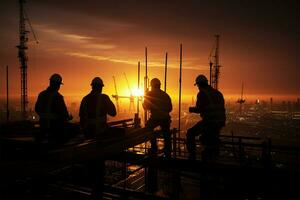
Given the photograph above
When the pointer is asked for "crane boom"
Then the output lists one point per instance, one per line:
(128, 84)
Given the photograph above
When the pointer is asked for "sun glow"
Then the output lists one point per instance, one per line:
(137, 92)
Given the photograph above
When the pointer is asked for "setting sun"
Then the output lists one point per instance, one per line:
(137, 92)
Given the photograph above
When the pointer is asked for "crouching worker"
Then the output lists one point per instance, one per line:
(210, 106)
(159, 104)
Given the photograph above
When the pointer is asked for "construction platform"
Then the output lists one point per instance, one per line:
(245, 168)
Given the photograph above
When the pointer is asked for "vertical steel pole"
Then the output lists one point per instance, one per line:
(7, 95)
(210, 73)
(180, 80)
(146, 82)
(166, 66)
(138, 98)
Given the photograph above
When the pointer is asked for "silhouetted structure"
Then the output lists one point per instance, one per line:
(22, 54)
(210, 105)
(23, 59)
(159, 104)
(215, 66)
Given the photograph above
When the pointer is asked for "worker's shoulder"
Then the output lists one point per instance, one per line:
(157, 92)
(48, 92)
(219, 93)
(166, 94)
(88, 97)
(43, 93)
(105, 96)
(201, 93)
(58, 95)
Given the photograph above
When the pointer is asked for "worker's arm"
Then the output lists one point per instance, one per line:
(111, 109)
(147, 102)
(170, 106)
(83, 112)
(200, 104)
(63, 108)
(38, 106)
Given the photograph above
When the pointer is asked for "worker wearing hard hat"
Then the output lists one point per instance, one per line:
(210, 106)
(52, 110)
(94, 109)
(93, 112)
(159, 104)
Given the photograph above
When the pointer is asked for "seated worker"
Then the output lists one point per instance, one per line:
(53, 113)
(159, 104)
(210, 106)
(94, 109)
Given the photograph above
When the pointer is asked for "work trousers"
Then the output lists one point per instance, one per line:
(165, 128)
(209, 138)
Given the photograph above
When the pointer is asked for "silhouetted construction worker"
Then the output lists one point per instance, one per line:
(53, 113)
(210, 106)
(159, 104)
(93, 113)
(94, 109)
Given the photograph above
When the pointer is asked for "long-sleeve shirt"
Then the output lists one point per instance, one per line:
(50, 105)
(95, 107)
(210, 105)
(158, 103)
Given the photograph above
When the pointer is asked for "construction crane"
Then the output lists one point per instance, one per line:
(131, 97)
(214, 65)
(116, 96)
(22, 55)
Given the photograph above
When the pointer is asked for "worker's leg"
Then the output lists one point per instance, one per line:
(190, 139)
(210, 141)
(151, 124)
(165, 126)
(97, 170)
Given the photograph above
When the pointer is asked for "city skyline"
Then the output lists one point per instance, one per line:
(258, 45)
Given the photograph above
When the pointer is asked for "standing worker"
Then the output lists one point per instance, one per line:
(210, 106)
(94, 109)
(159, 104)
(53, 113)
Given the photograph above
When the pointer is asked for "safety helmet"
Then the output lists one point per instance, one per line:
(56, 78)
(155, 82)
(201, 79)
(97, 81)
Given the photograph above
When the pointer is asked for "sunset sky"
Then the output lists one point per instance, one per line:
(259, 44)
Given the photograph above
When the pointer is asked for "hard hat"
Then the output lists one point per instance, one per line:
(201, 79)
(56, 78)
(97, 81)
(155, 82)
